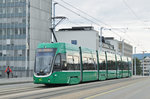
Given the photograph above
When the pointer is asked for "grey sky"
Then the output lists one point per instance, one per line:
(131, 14)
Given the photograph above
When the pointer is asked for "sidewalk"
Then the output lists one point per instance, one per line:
(10, 81)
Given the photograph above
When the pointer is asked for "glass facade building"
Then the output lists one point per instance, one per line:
(23, 25)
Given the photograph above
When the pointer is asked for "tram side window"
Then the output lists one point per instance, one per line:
(108, 61)
(125, 63)
(102, 64)
(57, 64)
(91, 64)
(85, 63)
(63, 62)
(70, 65)
(130, 63)
(119, 63)
(111, 61)
(76, 63)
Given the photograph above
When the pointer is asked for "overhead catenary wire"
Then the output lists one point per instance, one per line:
(112, 29)
(85, 13)
(92, 22)
(117, 29)
(85, 17)
(133, 12)
(88, 19)
(79, 14)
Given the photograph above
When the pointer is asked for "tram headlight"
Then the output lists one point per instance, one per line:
(49, 80)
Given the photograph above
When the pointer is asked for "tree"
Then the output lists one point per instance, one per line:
(138, 67)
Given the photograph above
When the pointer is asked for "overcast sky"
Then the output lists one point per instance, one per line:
(128, 18)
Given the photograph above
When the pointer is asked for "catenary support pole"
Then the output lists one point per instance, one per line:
(135, 62)
(101, 30)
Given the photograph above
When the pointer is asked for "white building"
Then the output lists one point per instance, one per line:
(145, 62)
(82, 36)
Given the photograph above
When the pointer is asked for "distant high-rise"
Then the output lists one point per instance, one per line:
(23, 25)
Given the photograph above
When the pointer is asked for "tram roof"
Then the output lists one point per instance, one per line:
(62, 47)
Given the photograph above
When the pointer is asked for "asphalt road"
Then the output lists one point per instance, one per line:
(127, 88)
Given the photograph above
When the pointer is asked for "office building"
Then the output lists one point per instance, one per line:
(23, 25)
(121, 47)
(145, 62)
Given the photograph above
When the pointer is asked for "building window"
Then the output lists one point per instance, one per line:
(9, 1)
(3, 31)
(23, 20)
(4, 52)
(1, 10)
(16, 10)
(0, 31)
(4, 1)
(24, 30)
(0, 53)
(20, 10)
(11, 31)
(15, 0)
(15, 52)
(4, 11)
(16, 31)
(23, 52)
(8, 41)
(8, 31)
(74, 42)
(23, 0)
(20, 52)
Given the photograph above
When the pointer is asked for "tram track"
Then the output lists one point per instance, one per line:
(53, 94)
(16, 89)
(13, 91)
(44, 92)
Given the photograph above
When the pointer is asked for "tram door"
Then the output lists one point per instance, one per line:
(102, 66)
(119, 68)
(111, 59)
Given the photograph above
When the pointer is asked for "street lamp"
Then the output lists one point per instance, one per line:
(135, 61)
(101, 30)
(123, 47)
(54, 24)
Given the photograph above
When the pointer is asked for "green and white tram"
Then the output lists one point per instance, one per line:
(62, 63)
